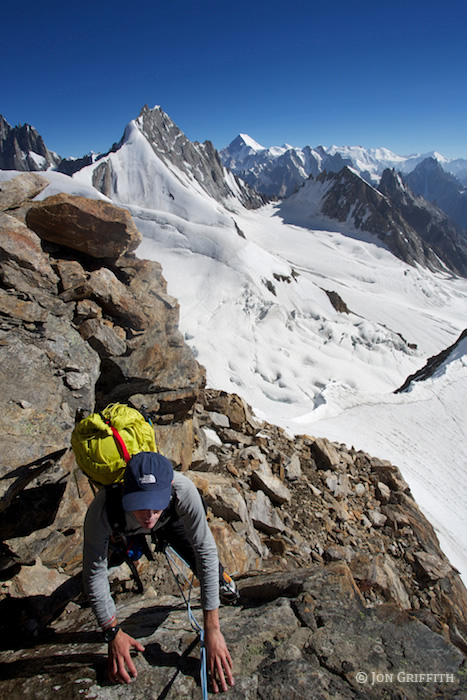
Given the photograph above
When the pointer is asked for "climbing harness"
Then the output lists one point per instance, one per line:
(179, 574)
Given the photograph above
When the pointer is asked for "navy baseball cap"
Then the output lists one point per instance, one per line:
(148, 482)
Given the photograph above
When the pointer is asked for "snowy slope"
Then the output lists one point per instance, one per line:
(423, 432)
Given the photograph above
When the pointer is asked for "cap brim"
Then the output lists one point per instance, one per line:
(147, 500)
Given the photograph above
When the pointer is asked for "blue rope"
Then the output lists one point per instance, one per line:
(193, 621)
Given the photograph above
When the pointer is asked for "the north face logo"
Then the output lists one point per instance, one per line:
(147, 479)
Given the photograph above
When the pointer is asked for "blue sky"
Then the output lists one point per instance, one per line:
(370, 73)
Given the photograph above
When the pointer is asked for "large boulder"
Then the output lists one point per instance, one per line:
(93, 227)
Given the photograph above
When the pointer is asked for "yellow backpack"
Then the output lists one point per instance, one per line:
(104, 442)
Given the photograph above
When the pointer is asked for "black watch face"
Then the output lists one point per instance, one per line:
(110, 634)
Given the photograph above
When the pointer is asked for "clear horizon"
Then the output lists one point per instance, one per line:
(362, 74)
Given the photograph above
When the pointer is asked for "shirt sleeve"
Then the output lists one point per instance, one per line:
(95, 566)
(191, 510)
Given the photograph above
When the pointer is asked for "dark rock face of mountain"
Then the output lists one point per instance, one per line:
(444, 190)
(22, 148)
(344, 589)
(350, 198)
(445, 237)
(280, 175)
(69, 166)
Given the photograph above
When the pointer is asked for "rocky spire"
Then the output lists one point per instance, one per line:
(23, 149)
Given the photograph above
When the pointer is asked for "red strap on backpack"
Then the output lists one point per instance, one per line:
(118, 439)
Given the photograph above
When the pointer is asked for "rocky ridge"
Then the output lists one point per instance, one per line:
(340, 573)
(444, 237)
(412, 229)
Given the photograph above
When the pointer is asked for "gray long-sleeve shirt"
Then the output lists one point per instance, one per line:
(97, 531)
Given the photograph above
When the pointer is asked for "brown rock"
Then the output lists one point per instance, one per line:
(293, 470)
(235, 408)
(377, 518)
(396, 517)
(234, 552)
(85, 309)
(390, 475)
(383, 492)
(223, 499)
(93, 227)
(37, 403)
(325, 454)
(380, 574)
(15, 307)
(263, 478)
(36, 580)
(71, 273)
(175, 441)
(263, 514)
(432, 566)
(338, 553)
(116, 299)
(102, 338)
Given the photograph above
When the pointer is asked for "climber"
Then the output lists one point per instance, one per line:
(158, 501)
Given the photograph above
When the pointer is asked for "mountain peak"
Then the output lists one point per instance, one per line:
(236, 155)
(248, 141)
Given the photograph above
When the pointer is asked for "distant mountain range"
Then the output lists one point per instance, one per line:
(155, 166)
(279, 171)
(260, 166)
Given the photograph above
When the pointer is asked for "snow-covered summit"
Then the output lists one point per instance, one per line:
(251, 143)
(240, 150)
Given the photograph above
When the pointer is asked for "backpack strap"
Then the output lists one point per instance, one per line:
(114, 508)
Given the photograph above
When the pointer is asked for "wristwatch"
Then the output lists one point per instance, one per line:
(110, 633)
